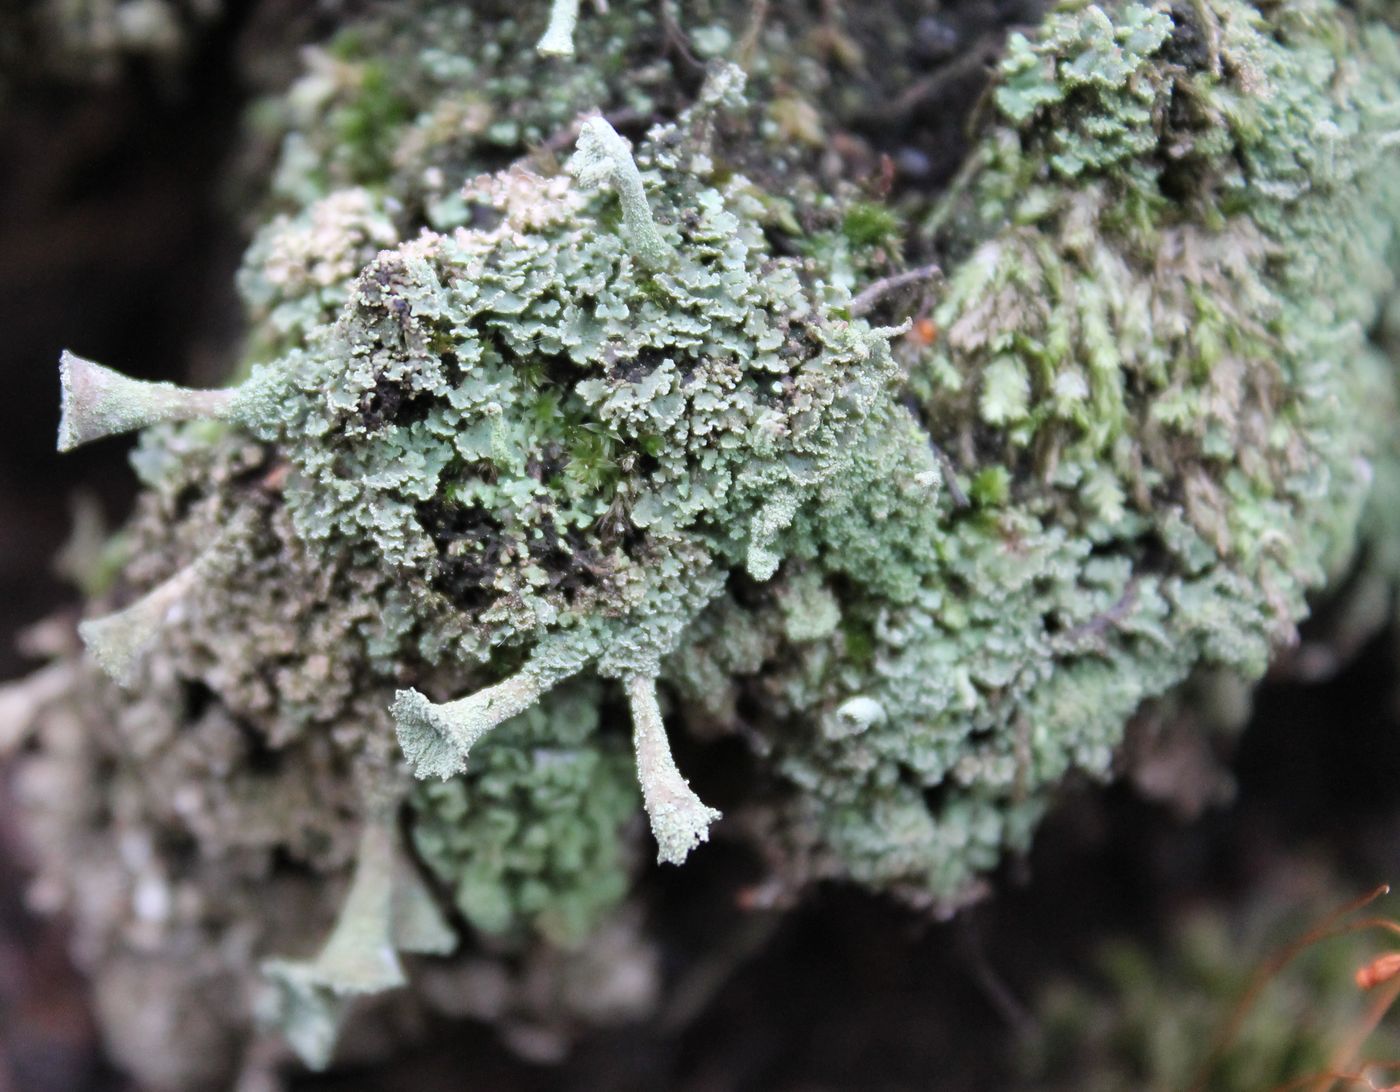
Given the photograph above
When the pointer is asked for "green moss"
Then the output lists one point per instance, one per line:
(367, 128)
(990, 487)
(858, 643)
(868, 224)
(349, 45)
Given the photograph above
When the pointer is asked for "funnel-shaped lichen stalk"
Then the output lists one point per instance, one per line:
(388, 910)
(603, 156)
(118, 640)
(419, 926)
(359, 956)
(21, 702)
(306, 1013)
(311, 997)
(680, 820)
(98, 402)
(437, 738)
(558, 40)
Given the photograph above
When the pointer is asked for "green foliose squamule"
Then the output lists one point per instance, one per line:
(1153, 381)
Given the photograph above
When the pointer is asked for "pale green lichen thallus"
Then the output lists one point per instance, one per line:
(522, 452)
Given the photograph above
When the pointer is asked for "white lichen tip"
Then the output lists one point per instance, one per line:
(98, 402)
(558, 40)
(437, 738)
(602, 156)
(724, 86)
(680, 820)
(117, 641)
(306, 1013)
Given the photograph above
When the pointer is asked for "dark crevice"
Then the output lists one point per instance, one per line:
(470, 543)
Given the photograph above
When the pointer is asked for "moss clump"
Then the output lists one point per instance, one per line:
(867, 224)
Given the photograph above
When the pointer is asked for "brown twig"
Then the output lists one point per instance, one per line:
(749, 42)
(877, 290)
(998, 993)
(945, 463)
(1350, 1076)
(674, 37)
(698, 986)
(980, 55)
(950, 476)
(1100, 623)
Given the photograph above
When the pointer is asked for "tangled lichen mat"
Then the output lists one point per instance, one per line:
(620, 457)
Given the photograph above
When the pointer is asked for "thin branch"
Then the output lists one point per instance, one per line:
(1349, 1048)
(1102, 622)
(877, 290)
(950, 476)
(749, 42)
(675, 37)
(999, 995)
(981, 55)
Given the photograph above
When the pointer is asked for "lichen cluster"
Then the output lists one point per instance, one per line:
(1153, 382)
(534, 837)
(558, 434)
(571, 424)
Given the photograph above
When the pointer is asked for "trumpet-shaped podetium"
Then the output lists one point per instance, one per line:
(387, 910)
(558, 38)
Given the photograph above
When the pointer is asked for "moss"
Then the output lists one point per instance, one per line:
(990, 487)
(367, 127)
(868, 224)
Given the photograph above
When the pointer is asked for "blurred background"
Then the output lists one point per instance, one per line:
(116, 241)
(1121, 939)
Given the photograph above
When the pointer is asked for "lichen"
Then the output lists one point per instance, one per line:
(533, 837)
(520, 444)
(1152, 382)
(554, 433)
